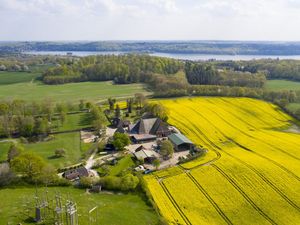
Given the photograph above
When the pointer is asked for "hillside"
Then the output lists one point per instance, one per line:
(251, 172)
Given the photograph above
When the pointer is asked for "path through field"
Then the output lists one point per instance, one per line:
(251, 174)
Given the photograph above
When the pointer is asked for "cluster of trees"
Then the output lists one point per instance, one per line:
(121, 69)
(274, 69)
(27, 167)
(156, 110)
(206, 74)
(28, 119)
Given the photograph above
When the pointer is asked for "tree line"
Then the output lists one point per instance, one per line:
(31, 119)
(206, 74)
(122, 69)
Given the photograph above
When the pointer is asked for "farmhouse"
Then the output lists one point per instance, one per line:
(76, 173)
(142, 153)
(151, 126)
(180, 142)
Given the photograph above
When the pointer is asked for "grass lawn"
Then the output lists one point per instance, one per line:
(4, 146)
(122, 165)
(293, 107)
(280, 85)
(17, 77)
(69, 141)
(127, 209)
(72, 92)
(72, 122)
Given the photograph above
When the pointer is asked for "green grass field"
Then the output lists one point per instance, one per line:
(122, 165)
(73, 92)
(69, 141)
(72, 122)
(125, 209)
(280, 85)
(16, 77)
(4, 146)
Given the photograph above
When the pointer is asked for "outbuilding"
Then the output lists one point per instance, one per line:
(181, 142)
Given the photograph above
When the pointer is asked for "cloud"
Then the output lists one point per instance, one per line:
(149, 19)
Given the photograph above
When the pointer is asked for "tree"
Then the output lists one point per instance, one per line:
(6, 175)
(41, 126)
(129, 182)
(81, 105)
(117, 111)
(157, 110)
(111, 102)
(166, 148)
(120, 141)
(14, 151)
(59, 152)
(129, 105)
(28, 165)
(156, 163)
(140, 100)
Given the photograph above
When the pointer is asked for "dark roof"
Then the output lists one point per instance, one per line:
(149, 126)
(179, 139)
(120, 129)
(143, 137)
(75, 173)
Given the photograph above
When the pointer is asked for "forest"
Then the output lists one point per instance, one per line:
(182, 47)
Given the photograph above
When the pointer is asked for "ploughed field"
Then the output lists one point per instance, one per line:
(250, 175)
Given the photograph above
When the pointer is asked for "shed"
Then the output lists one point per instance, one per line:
(76, 173)
(181, 142)
(146, 155)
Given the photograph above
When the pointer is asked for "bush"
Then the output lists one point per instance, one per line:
(87, 182)
(125, 183)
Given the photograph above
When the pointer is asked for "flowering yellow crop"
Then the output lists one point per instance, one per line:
(254, 172)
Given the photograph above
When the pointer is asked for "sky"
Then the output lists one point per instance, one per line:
(75, 20)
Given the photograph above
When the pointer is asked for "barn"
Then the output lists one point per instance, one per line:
(181, 142)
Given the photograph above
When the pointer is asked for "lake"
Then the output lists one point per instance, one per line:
(173, 55)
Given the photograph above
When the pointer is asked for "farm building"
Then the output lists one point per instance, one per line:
(152, 126)
(180, 142)
(76, 173)
(141, 138)
(142, 153)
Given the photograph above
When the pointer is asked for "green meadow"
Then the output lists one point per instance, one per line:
(113, 209)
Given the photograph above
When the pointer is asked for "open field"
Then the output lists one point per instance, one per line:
(125, 209)
(73, 92)
(69, 141)
(280, 85)
(252, 174)
(17, 77)
(72, 122)
(293, 107)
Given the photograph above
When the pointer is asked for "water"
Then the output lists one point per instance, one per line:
(173, 55)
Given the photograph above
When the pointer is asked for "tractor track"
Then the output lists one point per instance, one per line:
(258, 154)
(207, 196)
(243, 132)
(248, 199)
(175, 204)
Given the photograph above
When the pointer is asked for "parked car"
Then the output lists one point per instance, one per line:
(147, 171)
(139, 168)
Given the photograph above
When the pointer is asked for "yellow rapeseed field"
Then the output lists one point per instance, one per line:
(253, 174)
